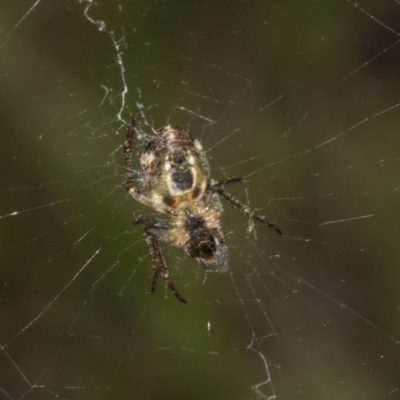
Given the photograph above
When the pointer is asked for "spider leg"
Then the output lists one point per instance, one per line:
(232, 179)
(127, 152)
(135, 193)
(157, 259)
(243, 208)
(159, 267)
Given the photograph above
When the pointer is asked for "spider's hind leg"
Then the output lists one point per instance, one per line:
(152, 231)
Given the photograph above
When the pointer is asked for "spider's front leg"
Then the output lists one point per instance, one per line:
(243, 208)
(151, 232)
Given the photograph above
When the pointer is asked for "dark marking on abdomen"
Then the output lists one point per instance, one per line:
(181, 180)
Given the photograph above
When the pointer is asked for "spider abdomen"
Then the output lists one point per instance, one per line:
(174, 167)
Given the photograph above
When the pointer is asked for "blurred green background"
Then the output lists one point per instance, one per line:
(301, 99)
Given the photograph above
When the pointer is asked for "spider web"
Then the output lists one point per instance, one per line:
(300, 99)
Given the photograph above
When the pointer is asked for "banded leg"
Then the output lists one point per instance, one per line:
(127, 152)
(243, 208)
(157, 259)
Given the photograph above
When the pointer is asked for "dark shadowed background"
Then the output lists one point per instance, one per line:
(301, 99)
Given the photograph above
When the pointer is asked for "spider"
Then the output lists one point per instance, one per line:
(174, 179)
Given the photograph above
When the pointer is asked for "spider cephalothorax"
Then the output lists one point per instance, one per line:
(174, 179)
